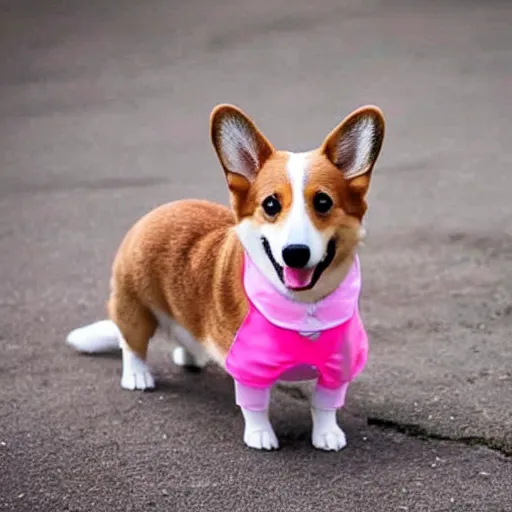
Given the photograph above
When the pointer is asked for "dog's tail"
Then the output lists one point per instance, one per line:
(103, 336)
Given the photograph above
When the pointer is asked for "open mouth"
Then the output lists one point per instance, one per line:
(299, 279)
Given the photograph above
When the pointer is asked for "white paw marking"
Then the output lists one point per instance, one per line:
(189, 351)
(258, 432)
(136, 373)
(137, 380)
(262, 439)
(327, 435)
(332, 439)
(183, 358)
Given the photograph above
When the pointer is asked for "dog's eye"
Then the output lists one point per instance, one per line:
(322, 202)
(271, 205)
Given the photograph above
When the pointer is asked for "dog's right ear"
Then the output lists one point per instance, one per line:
(242, 149)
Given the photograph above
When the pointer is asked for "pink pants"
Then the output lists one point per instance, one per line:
(258, 399)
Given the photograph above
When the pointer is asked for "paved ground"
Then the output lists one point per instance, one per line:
(103, 114)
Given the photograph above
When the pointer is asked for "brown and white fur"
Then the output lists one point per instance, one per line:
(180, 266)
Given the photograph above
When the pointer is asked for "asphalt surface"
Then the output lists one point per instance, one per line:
(104, 114)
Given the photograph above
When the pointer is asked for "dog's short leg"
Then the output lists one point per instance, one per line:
(254, 402)
(136, 372)
(327, 435)
(190, 354)
(137, 325)
(182, 357)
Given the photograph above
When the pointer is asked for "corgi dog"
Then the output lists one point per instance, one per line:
(268, 288)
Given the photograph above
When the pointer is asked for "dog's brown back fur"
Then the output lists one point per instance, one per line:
(182, 259)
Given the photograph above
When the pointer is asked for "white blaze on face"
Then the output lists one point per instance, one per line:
(296, 228)
(299, 227)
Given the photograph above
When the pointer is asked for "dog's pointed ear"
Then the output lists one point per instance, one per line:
(354, 146)
(242, 149)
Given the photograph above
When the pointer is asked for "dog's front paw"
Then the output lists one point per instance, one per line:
(327, 435)
(332, 439)
(263, 439)
(258, 432)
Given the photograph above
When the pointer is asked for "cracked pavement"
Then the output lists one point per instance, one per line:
(104, 114)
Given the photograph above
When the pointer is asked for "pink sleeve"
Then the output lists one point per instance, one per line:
(252, 359)
(345, 365)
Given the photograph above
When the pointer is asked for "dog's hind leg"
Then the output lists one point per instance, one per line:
(189, 353)
(137, 325)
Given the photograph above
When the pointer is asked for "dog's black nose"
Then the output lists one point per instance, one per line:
(296, 255)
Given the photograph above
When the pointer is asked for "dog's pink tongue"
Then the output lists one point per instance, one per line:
(297, 277)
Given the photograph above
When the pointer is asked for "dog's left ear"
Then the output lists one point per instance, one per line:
(353, 147)
(242, 149)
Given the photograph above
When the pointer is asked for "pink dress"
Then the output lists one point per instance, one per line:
(281, 339)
